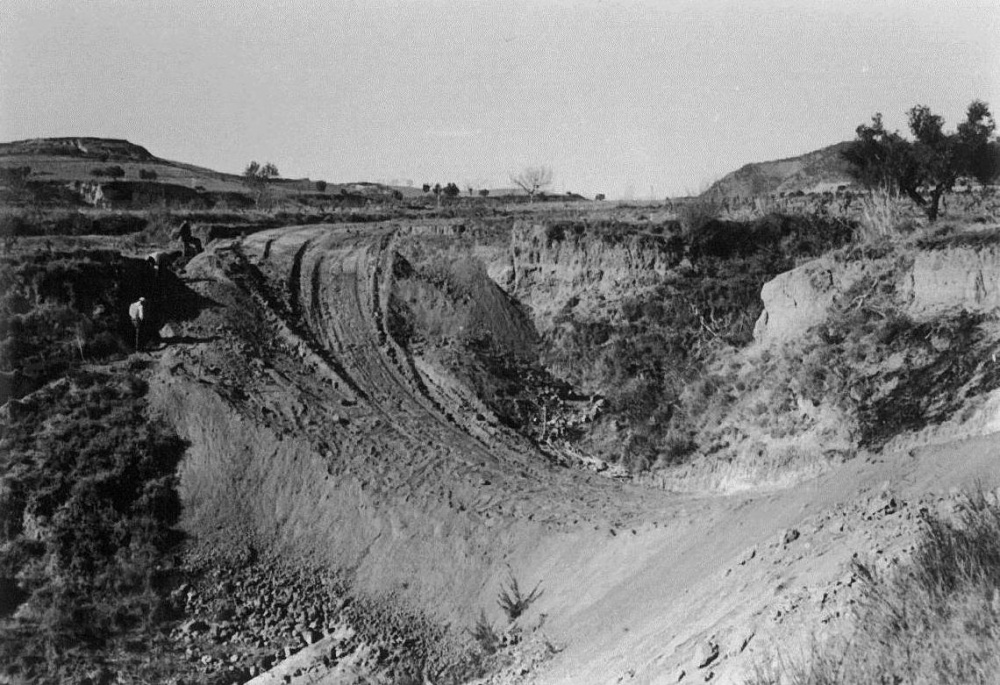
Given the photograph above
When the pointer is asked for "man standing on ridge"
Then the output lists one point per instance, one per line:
(137, 312)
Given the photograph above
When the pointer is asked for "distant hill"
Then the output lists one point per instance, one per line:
(818, 171)
(66, 170)
(92, 148)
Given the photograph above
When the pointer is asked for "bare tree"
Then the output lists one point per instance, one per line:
(532, 179)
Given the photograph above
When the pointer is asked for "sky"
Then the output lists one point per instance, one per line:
(632, 99)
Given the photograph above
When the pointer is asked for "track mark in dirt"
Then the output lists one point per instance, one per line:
(295, 279)
(337, 285)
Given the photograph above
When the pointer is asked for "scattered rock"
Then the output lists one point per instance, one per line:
(789, 535)
(706, 653)
(310, 637)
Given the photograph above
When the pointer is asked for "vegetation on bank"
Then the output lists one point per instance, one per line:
(655, 345)
(933, 619)
(869, 372)
(87, 495)
(89, 504)
(61, 307)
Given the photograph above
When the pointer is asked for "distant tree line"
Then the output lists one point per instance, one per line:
(449, 190)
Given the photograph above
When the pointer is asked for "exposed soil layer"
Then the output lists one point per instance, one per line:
(320, 435)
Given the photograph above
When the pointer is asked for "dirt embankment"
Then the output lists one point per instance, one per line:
(554, 267)
(317, 432)
(314, 434)
(931, 282)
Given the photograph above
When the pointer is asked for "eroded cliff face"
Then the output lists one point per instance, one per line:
(901, 346)
(927, 283)
(965, 278)
(552, 269)
(799, 299)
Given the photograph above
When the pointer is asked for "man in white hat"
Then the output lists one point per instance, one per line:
(137, 312)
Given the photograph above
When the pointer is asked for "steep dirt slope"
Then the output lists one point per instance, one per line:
(315, 435)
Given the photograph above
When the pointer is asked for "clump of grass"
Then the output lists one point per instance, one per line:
(881, 216)
(935, 619)
(485, 634)
(513, 602)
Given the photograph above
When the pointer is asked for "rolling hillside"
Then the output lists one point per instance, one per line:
(818, 171)
(58, 167)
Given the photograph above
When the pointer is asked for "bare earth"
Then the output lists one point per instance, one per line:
(315, 436)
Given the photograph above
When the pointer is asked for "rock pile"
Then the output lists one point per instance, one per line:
(243, 620)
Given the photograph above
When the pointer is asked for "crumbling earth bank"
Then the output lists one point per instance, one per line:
(317, 437)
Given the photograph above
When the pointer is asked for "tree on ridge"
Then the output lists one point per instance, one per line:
(927, 167)
(257, 178)
(533, 179)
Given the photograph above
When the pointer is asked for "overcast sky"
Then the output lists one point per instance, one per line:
(617, 97)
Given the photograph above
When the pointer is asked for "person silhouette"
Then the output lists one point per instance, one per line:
(137, 312)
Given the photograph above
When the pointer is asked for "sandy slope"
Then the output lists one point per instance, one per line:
(317, 435)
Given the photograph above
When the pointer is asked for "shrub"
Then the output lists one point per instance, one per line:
(513, 602)
(485, 635)
(113, 171)
(321, 186)
(15, 178)
(96, 478)
(147, 174)
(695, 214)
